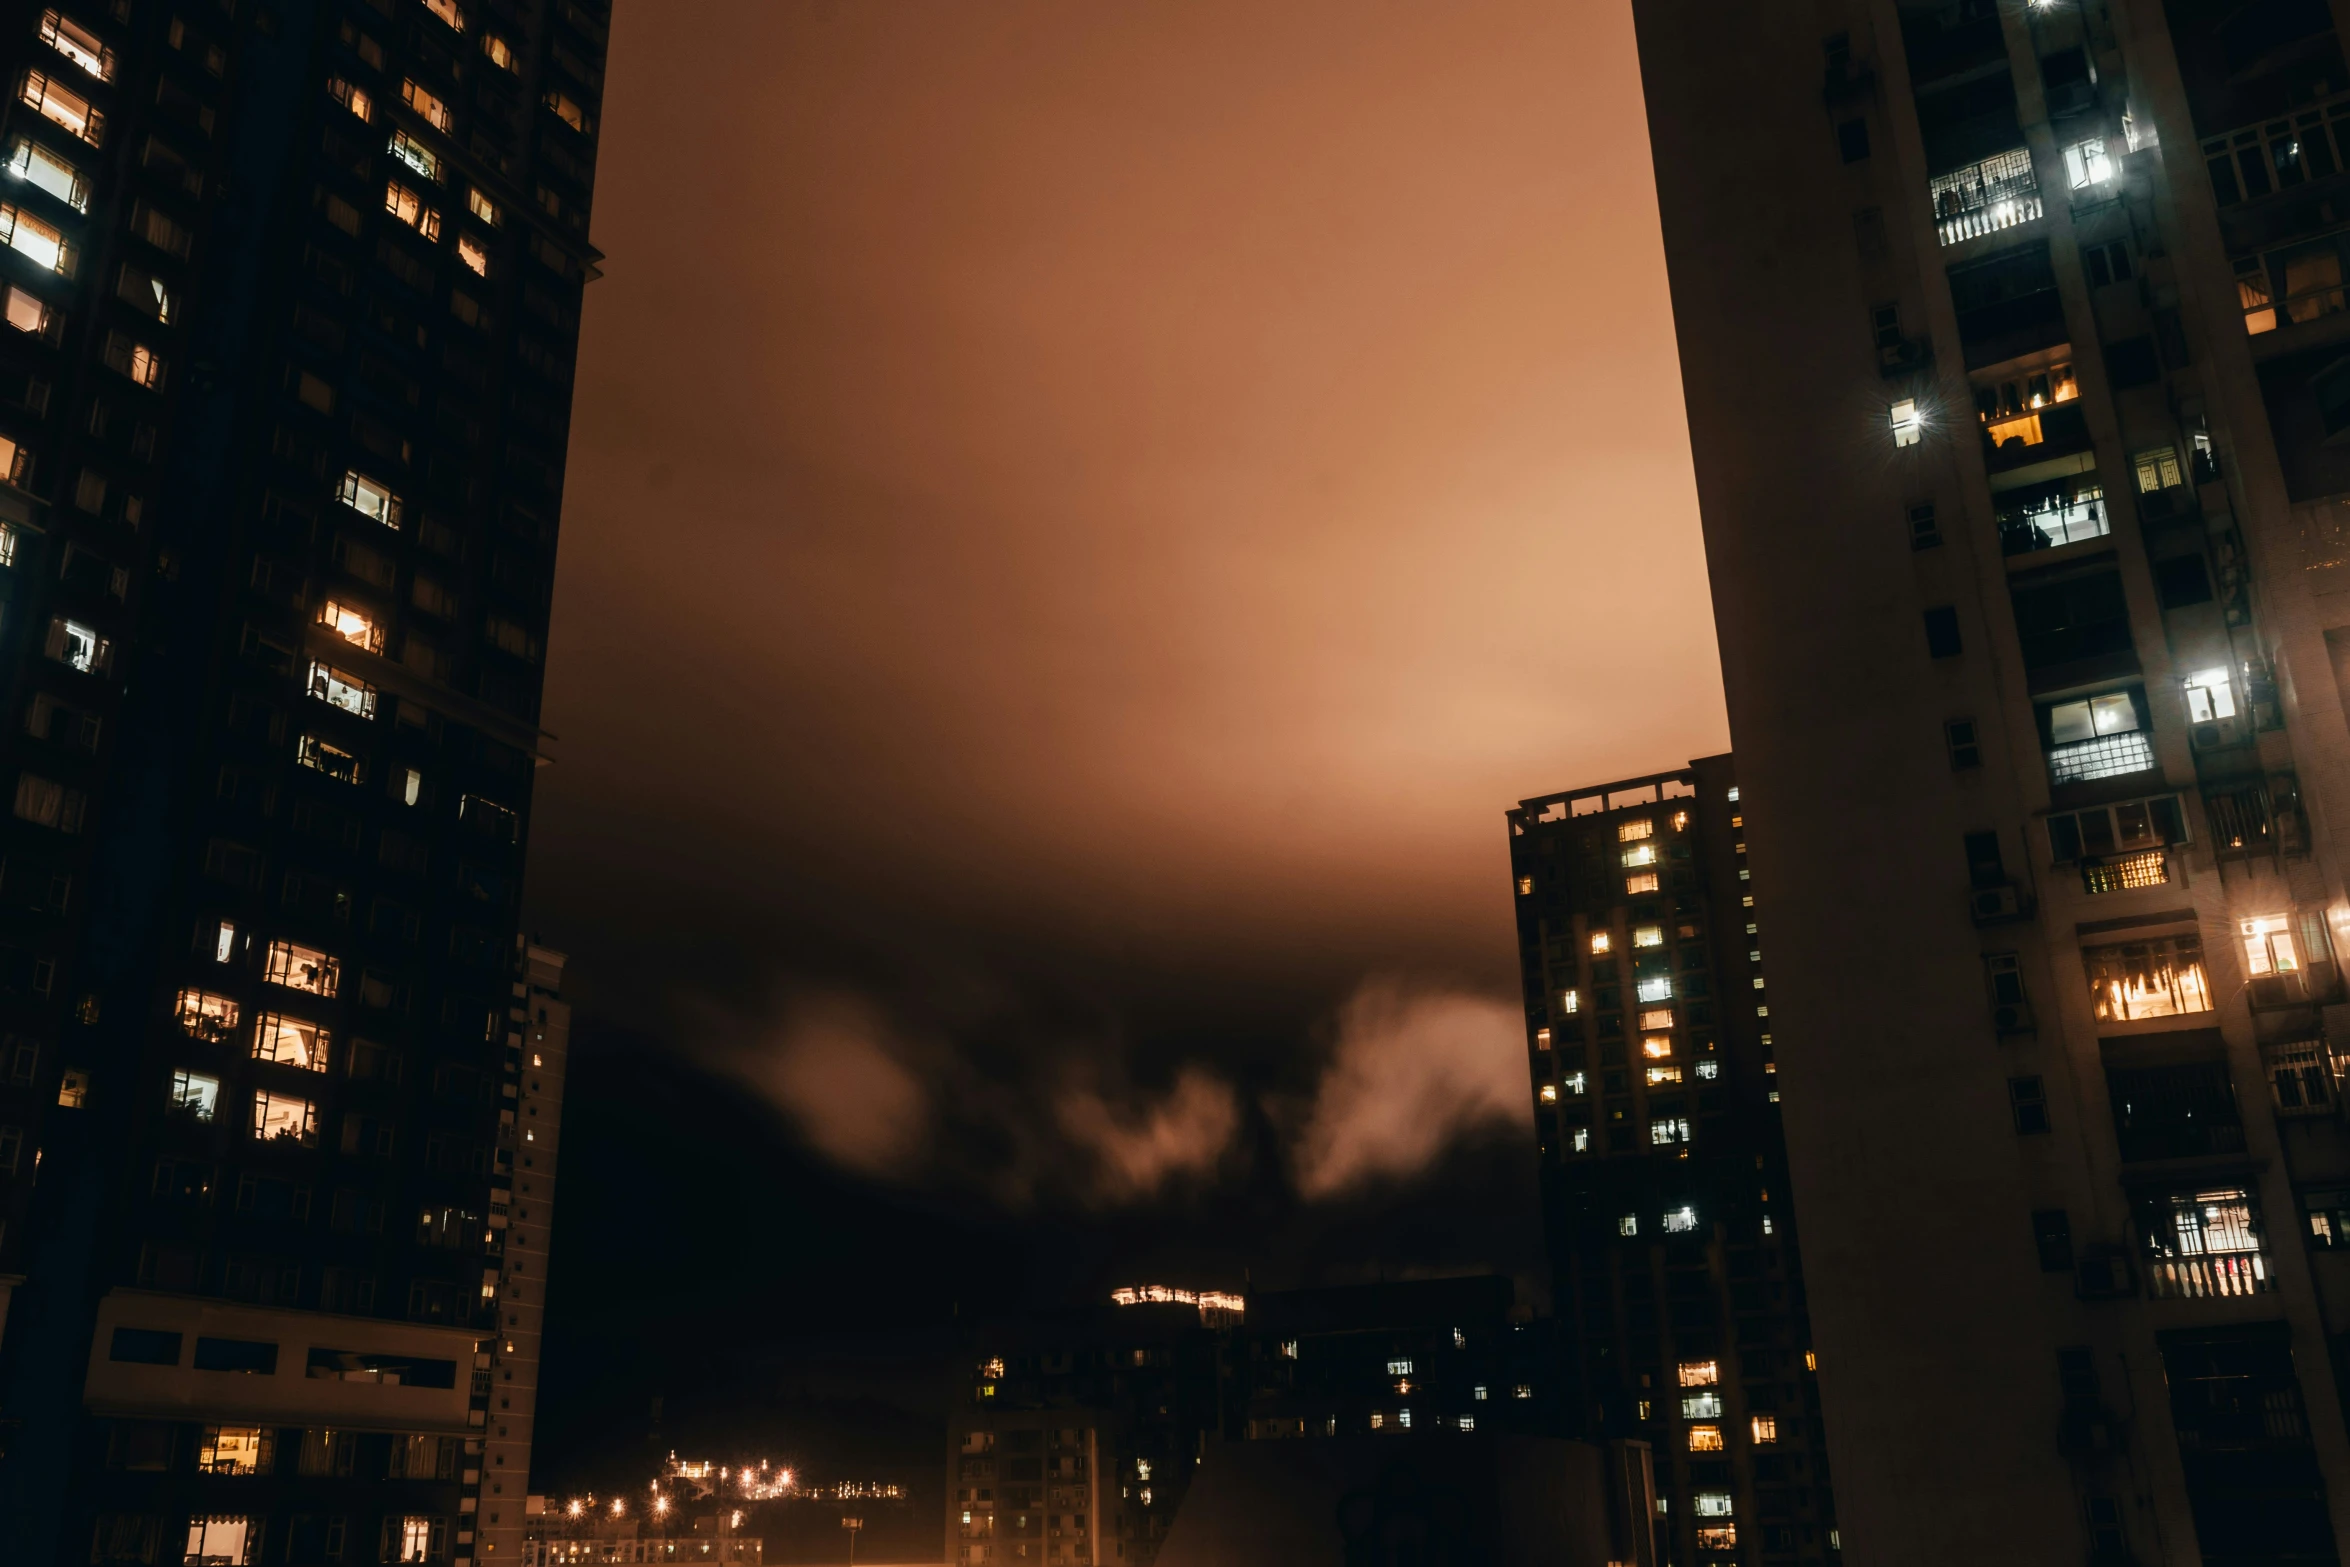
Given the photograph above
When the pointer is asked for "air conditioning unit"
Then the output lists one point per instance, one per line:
(2215, 733)
(2013, 1019)
(1996, 903)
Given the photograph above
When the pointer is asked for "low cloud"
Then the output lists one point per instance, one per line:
(837, 1070)
(1142, 1149)
(1413, 1072)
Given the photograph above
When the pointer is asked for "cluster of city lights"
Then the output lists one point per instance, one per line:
(1162, 1295)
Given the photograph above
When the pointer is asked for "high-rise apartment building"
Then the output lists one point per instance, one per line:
(2017, 365)
(290, 292)
(1678, 1289)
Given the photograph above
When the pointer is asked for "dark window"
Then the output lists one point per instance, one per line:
(2132, 362)
(1942, 631)
(1966, 747)
(2252, 1478)
(346, 1365)
(2107, 263)
(2182, 580)
(2029, 1100)
(1924, 532)
(2052, 1234)
(1983, 864)
(2175, 1112)
(2073, 618)
(146, 1347)
(236, 1354)
(1852, 140)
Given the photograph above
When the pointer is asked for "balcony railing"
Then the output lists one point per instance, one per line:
(2124, 872)
(1998, 192)
(2202, 1245)
(2280, 154)
(2057, 523)
(2107, 756)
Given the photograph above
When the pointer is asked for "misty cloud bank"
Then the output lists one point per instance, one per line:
(1409, 1073)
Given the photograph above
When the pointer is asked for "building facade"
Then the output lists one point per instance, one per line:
(291, 292)
(2015, 356)
(1679, 1288)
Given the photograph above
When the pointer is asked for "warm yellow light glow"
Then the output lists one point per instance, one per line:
(1600, 941)
(1632, 832)
(1656, 1017)
(1700, 1373)
(1648, 935)
(1657, 1046)
(1705, 1439)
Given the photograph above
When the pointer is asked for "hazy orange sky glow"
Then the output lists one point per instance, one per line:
(1120, 494)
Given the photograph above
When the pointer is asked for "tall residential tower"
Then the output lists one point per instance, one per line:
(2017, 364)
(1679, 1291)
(289, 296)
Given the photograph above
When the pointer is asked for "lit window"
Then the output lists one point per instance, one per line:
(1717, 1537)
(411, 786)
(194, 1094)
(1633, 832)
(336, 689)
(1711, 1504)
(1709, 1070)
(1575, 1082)
(2088, 162)
(78, 44)
(2161, 977)
(435, 112)
(44, 170)
(290, 1041)
(1811, 1360)
(1766, 1428)
(77, 646)
(1550, 1093)
(1570, 1002)
(1600, 941)
(483, 208)
(206, 1015)
(1663, 1074)
(1542, 1039)
(280, 1117)
(1706, 1405)
(1908, 424)
(1669, 1129)
(1699, 1373)
(236, 1450)
(1648, 936)
(1377, 1420)
(224, 942)
(370, 499)
(62, 106)
(1582, 1139)
(1657, 987)
(2268, 945)
(413, 1538)
(41, 243)
(302, 968)
(416, 155)
(1399, 1368)
(1644, 881)
(1658, 1017)
(127, 356)
(326, 757)
(1629, 1224)
(26, 312)
(1525, 886)
(1522, 1390)
(1640, 854)
(447, 11)
(1656, 1046)
(1468, 1422)
(2158, 469)
(2092, 717)
(1705, 1439)
(73, 1091)
(353, 625)
(351, 97)
(499, 52)
(1680, 1221)
(474, 254)
(2211, 696)
(225, 1541)
(409, 208)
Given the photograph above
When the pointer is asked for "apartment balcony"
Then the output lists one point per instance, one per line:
(2048, 523)
(2107, 756)
(2204, 1244)
(2034, 436)
(1990, 194)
